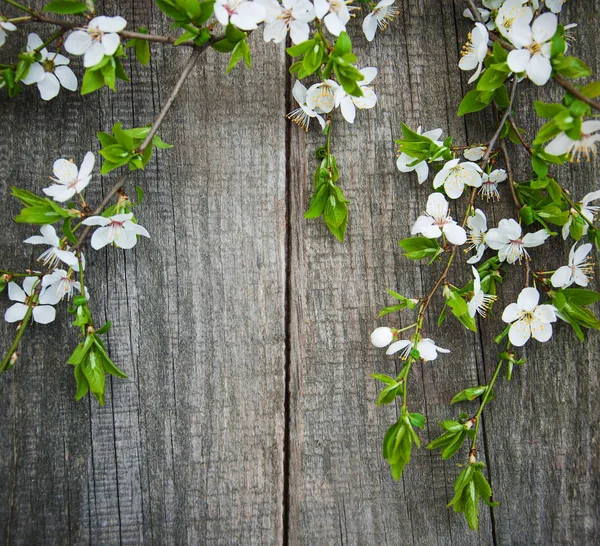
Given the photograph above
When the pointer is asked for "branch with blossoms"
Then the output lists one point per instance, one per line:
(512, 41)
(323, 54)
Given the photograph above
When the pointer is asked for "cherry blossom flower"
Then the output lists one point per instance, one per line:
(50, 72)
(382, 336)
(588, 211)
(54, 254)
(528, 319)
(5, 26)
(118, 229)
(69, 180)
(474, 51)
(380, 18)
(509, 242)
(454, 175)
(240, 13)
(513, 20)
(302, 115)
(555, 5)
(335, 14)
(480, 302)
(404, 161)
(477, 225)
(489, 184)
(427, 348)
(534, 57)
(579, 270)
(474, 154)
(350, 103)
(293, 17)
(42, 313)
(438, 221)
(586, 145)
(98, 39)
(320, 97)
(59, 284)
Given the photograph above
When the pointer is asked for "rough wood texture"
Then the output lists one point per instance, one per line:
(249, 414)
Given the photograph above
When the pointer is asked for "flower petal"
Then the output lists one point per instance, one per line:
(66, 77)
(49, 86)
(519, 333)
(528, 299)
(36, 73)
(15, 292)
(93, 55)
(101, 237)
(542, 331)
(382, 336)
(348, 109)
(108, 24)
(539, 69)
(369, 27)
(398, 346)
(110, 42)
(78, 42)
(44, 314)
(562, 277)
(15, 312)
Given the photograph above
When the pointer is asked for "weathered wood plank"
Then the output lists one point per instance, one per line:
(542, 431)
(189, 448)
(340, 489)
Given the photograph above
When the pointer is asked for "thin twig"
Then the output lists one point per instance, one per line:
(510, 177)
(513, 124)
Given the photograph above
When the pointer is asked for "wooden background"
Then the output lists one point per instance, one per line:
(249, 414)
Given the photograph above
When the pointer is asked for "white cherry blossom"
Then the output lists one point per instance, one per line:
(404, 161)
(534, 57)
(455, 175)
(334, 13)
(59, 284)
(117, 229)
(477, 225)
(291, 16)
(438, 221)
(42, 313)
(99, 38)
(587, 210)
(302, 115)
(69, 180)
(382, 336)
(528, 319)
(350, 103)
(240, 13)
(489, 184)
(555, 5)
(579, 270)
(513, 20)
(474, 154)
(480, 302)
(5, 26)
(427, 348)
(585, 146)
(320, 97)
(380, 18)
(54, 253)
(507, 239)
(50, 72)
(474, 51)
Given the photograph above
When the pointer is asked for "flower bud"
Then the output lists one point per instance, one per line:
(382, 336)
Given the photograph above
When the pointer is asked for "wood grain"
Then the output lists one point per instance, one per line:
(189, 448)
(249, 414)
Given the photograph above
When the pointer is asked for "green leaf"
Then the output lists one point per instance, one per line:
(65, 7)
(571, 67)
(171, 9)
(92, 81)
(493, 77)
(142, 51)
(224, 46)
(417, 248)
(472, 102)
(94, 373)
(343, 45)
(580, 296)
(107, 364)
(417, 420)
(591, 90)
(82, 383)
(300, 49)
(548, 110)
(469, 394)
(233, 34)
(159, 143)
(335, 211)
(237, 55)
(318, 201)
(539, 166)
(547, 131)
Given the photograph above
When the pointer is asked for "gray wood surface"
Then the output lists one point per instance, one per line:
(249, 414)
